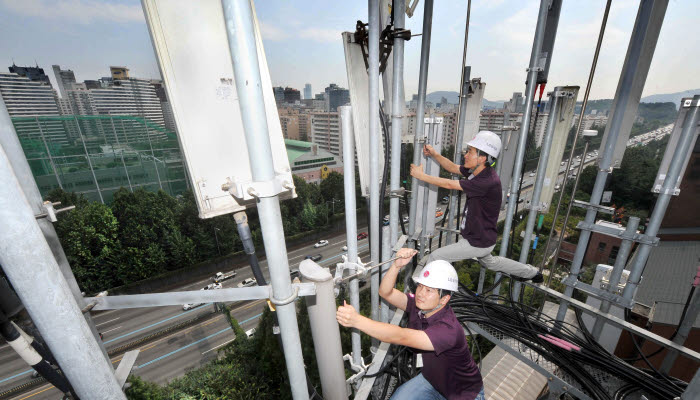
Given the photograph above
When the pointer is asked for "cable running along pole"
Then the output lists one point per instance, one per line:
(572, 152)
(238, 16)
(522, 139)
(420, 110)
(461, 114)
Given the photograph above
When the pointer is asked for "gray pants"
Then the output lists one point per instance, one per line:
(462, 250)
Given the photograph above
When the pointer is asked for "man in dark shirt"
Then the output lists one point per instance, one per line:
(449, 371)
(482, 188)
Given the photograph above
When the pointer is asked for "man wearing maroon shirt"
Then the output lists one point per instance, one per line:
(482, 188)
(449, 371)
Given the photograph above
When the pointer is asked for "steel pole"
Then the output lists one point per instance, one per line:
(524, 128)
(238, 17)
(351, 219)
(325, 331)
(34, 273)
(420, 109)
(620, 261)
(554, 112)
(683, 330)
(397, 104)
(375, 198)
(386, 255)
(461, 119)
(629, 90)
(657, 215)
(10, 143)
(573, 145)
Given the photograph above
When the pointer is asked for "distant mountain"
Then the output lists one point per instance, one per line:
(674, 98)
(453, 98)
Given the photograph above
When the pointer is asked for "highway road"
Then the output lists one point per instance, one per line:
(173, 355)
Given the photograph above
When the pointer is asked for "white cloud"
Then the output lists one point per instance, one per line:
(79, 11)
(272, 32)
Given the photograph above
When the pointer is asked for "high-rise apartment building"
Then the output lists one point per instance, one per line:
(493, 120)
(325, 132)
(29, 98)
(307, 92)
(540, 126)
(65, 78)
(515, 104)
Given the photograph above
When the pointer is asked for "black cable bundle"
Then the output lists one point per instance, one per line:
(534, 330)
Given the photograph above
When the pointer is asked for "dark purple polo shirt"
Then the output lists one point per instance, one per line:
(481, 210)
(450, 368)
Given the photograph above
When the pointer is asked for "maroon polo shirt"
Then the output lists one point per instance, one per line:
(450, 368)
(481, 210)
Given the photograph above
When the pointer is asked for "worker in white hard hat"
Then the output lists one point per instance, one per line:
(482, 187)
(433, 331)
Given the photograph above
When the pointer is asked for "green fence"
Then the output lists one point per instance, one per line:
(97, 154)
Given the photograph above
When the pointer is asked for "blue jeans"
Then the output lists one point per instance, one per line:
(420, 388)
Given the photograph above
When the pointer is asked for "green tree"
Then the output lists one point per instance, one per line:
(332, 190)
(89, 237)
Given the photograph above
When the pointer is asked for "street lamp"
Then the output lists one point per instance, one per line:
(216, 237)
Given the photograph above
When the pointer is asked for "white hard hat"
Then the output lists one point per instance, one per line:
(488, 142)
(438, 274)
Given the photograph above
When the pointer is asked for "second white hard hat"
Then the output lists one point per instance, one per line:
(488, 142)
(438, 274)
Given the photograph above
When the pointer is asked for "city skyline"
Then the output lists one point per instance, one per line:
(302, 43)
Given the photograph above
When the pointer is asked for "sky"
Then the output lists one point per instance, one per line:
(303, 44)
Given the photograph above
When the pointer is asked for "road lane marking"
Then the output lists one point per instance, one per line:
(152, 325)
(113, 329)
(102, 323)
(222, 344)
(34, 394)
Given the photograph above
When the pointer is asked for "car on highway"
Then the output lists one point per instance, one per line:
(250, 332)
(438, 214)
(213, 286)
(294, 274)
(345, 248)
(313, 257)
(362, 235)
(248, 282)
(405, 219)
(321, 243)
(531, 174)
(189, 306)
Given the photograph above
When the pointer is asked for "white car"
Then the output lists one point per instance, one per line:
(248, 282)
(532, 174)
(405, 219)
(213, 286)
(345, 248)
(189, 306)
(250, 333)
(321, 243)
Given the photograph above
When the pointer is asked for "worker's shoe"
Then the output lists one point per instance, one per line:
(538, 278)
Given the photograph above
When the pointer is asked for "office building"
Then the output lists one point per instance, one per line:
(279, 94)
(335, 97)
(34, 74)
(291, 95)
(307, 92)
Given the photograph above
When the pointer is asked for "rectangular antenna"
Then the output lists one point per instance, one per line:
(191, 46)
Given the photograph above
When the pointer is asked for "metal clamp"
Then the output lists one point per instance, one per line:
(542, 207)
(619, 233)
(572, 281)
(92, 304)
(249, 190)
(286, 301)
(50, 212)
(561, 93)
(536, 69)
(416, 234)
(398, 192)
(595, 207)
